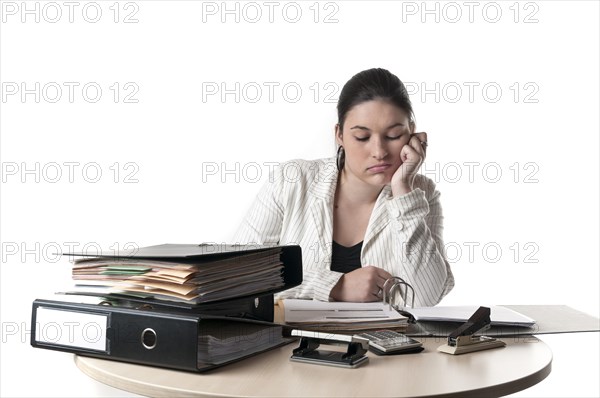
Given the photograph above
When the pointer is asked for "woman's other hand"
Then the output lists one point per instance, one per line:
(362, 285)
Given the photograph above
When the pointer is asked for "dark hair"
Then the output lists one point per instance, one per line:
(373, 84)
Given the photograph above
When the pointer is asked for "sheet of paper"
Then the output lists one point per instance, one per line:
(499, 315)
(313, 311)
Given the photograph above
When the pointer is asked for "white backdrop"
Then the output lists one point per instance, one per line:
(146, 122)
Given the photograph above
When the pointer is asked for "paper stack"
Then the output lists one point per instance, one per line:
(341, 316)
(198, 281)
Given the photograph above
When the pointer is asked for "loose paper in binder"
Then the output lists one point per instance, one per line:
(190, 273)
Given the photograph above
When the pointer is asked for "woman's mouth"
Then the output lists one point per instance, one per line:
(379, 168)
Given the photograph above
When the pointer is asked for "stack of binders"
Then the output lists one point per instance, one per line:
(188, 307)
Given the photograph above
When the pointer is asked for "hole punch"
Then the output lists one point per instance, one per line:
(307, 351)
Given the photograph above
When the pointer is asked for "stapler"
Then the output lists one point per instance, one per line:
(462, 340)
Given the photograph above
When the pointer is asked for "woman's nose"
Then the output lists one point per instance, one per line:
(379, 149)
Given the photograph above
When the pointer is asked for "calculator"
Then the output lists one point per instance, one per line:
(388, 342)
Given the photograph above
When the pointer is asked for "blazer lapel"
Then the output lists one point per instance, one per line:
(322, 193)
(379, 217)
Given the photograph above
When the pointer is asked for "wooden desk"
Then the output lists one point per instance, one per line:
(521, 364)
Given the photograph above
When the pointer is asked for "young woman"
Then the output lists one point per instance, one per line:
(365, 215)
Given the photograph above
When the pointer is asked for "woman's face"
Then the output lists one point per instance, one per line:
(373, 135)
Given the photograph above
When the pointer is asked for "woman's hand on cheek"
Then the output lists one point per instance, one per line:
(412, 155)
(361, 285)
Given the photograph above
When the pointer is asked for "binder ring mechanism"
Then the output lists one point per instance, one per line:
(397, 284)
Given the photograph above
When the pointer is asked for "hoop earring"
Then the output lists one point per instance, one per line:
(340, 158)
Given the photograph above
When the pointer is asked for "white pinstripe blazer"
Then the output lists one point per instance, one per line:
(403, 236)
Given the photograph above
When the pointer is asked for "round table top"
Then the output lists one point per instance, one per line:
(525, 361)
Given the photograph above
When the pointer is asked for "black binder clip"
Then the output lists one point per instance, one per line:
(307, 351)
(462, 340)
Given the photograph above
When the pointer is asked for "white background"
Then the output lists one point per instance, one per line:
(533, 228)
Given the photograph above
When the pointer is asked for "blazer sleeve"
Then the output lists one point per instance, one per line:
(417, 223)
(263, 222)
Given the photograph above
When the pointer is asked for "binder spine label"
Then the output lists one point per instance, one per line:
(75, 329)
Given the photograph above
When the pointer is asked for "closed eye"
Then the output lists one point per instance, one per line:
(364, 139)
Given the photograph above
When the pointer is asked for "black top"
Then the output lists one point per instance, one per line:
(345, 259)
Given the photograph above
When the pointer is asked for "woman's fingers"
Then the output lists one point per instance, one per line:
(418, 142)
(411, 158)
(377, 280)
(422, 136)
(382, 276)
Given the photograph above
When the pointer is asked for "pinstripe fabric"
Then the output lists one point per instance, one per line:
(404, 234)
